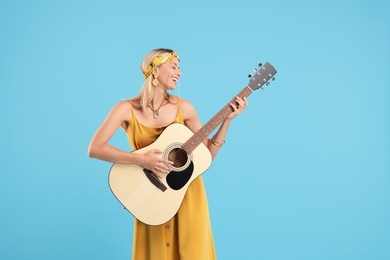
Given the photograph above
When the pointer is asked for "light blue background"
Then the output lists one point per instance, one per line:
(304, 173)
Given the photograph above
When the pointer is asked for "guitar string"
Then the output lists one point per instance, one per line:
(179, 156)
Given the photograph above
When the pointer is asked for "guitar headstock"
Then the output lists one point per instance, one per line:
(262, 76)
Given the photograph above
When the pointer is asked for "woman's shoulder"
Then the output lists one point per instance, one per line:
(122, 108)
(181, 102)
(186, 108)
(124, 104)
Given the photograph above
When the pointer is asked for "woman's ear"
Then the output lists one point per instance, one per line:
(155, 73)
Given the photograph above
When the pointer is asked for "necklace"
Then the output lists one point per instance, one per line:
(156, 112)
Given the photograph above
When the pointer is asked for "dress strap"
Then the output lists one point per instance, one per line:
(179, 117)
(133, 119)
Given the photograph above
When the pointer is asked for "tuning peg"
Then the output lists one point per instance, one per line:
(260, 64)
(250, 76)
(255, 70)
(267, 83)
(273, 78)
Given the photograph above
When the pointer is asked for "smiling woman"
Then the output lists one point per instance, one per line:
(144, 118)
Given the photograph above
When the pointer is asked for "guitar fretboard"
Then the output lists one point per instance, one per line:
(210, 126)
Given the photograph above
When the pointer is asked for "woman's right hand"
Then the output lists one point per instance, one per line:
(153, 161)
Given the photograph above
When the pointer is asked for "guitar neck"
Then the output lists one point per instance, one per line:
(210, 126)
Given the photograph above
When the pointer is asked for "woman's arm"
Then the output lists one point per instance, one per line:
(100, 148)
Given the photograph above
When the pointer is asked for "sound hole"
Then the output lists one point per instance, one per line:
(178, 156)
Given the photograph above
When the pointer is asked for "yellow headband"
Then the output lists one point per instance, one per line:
(165, 57)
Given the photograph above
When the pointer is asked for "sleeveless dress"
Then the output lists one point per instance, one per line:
(187, 236)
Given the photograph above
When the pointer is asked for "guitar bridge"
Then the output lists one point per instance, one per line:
(154, 180)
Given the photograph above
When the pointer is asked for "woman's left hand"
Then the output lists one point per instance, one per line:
(238, 106)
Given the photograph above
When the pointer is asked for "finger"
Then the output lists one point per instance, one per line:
(169, 166)
(246, 101)
(166, 162)
(241, 102)
(234, 106)
(164, 166)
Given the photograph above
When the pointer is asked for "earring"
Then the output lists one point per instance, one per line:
(155, 81)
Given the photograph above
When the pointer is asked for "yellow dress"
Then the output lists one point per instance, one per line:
(187, 236)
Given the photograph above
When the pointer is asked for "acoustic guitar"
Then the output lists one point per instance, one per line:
(155, 201)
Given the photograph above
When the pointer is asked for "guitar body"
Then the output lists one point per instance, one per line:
(152, 200)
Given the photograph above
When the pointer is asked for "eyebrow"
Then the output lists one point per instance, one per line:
(174, 63)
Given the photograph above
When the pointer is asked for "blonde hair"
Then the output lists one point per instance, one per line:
(145, 96)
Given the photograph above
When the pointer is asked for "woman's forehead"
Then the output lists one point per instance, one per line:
(175, 60)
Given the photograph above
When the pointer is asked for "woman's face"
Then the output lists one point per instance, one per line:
(169, 73)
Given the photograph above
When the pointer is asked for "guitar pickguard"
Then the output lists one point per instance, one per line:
(178, 179)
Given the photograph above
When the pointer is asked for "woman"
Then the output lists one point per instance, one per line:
(188, 234)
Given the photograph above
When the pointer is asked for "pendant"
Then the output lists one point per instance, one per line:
(156, 114)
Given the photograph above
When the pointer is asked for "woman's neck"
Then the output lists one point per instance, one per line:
(159, 97)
